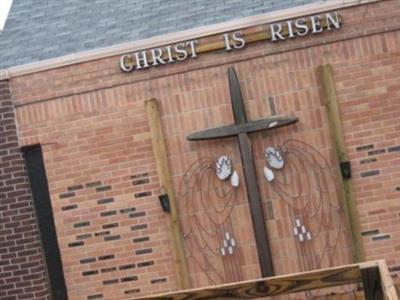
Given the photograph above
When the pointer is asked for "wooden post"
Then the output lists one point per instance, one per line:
(386, 281)
(332, 108)
(160, 154)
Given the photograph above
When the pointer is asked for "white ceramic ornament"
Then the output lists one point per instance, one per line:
(228, 245)
(269, 175)
(223, 167)
(235, 179)
(272, 124)
(274, 158)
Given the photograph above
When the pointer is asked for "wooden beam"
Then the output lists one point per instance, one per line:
(388, 287)
(256, 208)
(290, 283)
(249, 127)
(164, 174)
(271, 286)
(387, 282)
(349, 203)
(353, 295)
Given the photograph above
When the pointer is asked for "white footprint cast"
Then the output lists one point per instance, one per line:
(275, 161)
(223, 168)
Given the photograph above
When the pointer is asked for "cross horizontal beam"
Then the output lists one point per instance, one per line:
(249, 127)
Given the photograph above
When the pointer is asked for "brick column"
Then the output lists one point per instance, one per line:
(22, 268)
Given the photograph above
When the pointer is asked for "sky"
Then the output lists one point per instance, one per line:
(4, 8)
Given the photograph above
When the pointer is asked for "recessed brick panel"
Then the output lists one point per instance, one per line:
(106, 257)
(141, 239)
(126, 267)
(107, 270)
(84, 236)
(90, 273)
(376, 152)
(132, 291)
(93, 184)
(370, 232)
(158, 280)
(112, 225)
(105, 201)
(103, 188)
(108, 213)
(101, 233)
(110, 281)
(93, 297)
(67, 195)
(370, 173)
(127, 210)
(394, 149)
(88, 260)
(75, 188)
(368, 160)
(365, 147)
(69, 207)
(142, 194)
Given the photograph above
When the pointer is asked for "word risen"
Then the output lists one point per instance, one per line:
(303, 26)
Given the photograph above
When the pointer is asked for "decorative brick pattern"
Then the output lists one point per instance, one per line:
(370, 173)
(22, 268)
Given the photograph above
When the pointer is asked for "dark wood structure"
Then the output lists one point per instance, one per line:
(377, 284)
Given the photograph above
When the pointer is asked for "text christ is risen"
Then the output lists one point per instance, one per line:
(237, 40)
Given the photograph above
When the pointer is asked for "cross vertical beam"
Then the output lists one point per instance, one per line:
(256, 207)
(250, 175)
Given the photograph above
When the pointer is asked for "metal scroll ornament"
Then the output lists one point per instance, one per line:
(207, 196)
(301, 179)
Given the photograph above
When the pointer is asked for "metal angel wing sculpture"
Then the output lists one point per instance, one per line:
(302, 185)
(208, 192)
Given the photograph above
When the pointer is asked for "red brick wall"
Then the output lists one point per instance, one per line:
(22, 268)
(91, 122)
(103, 186)
(369, 93)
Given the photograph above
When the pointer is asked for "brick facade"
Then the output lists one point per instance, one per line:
(90, 120)
(22, 268)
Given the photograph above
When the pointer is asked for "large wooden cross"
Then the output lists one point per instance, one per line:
(241, 129)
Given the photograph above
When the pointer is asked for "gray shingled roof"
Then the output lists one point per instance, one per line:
(41, 29)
